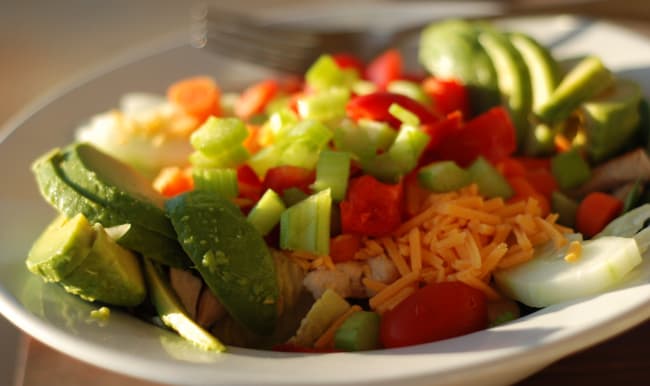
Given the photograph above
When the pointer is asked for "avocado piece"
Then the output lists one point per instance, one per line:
(63, 245)
(451, 49)
(544, 77)
(54, 188)
(230, 255)
(114, 184)
(109, 274)
(320, 316)
(172, 314)
(513, 78)
(587, 79)
(611, 119)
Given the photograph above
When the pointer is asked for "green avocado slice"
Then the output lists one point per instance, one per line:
(110, 274)
(171, 311)
(54, 188)
(513, 78)
(450, 49)
(231, 256)
(610, 120)
(114, 184)
(60, 249)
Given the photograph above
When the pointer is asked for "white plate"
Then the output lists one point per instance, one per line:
(123, 344)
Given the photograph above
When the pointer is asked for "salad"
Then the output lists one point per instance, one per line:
(359, 206)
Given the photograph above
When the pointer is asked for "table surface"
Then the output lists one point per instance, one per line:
(34, 41)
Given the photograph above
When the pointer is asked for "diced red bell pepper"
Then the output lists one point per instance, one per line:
(281, 178)
(448, 95)
(343, 247)
(375, 106)
(250, 185)
(385, 68)
(371, 208)
(439, 130)
(491, 135)
(255, 98)
(348, 61)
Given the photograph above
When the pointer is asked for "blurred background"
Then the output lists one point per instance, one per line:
(44, 44)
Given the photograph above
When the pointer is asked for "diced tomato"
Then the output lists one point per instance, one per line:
(448, 95)
(348, 61)
(434, 312)
(543, 181)
(491, 135)
(255, 98)
(511, 167)
(385, 68)
(375, 106)
(371, 208)
(344, 247)
(284, 177)
(249, 183)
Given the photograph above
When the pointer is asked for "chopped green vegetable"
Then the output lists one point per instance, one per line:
(360, 331)
(570, 169)
(220, 181)
(305, 226)
(266, 213)
(443, 176)
(333, 172)
(404, 115)
(490, 182)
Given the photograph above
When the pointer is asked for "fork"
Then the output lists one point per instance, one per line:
(293, 49)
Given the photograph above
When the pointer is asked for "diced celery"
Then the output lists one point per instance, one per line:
(265, 159)
(443, 176)
(266, 212)
(305, 226)
(326, 105)
(360, 331)
(565, 207)
(490, 182)
(292, 196)
(405, 116)
(325, 73)
(408, 147)
(382, 167)
(232, 157)
(281, 122)
(363, 87)
(220, 181)
(218, 134)
(364, 138)
(410, 89)
(332, 172)
(277, 104)
(570, 169)
(380, 134)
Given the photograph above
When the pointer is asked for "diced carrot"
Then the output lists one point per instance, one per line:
(252, 143)
(344, 247)
(198, 96)
(173, 180)
(595, 211)
(255, 98)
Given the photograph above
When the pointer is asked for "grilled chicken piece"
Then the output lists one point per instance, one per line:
(209, 309)
(187, 288)
(629, 167)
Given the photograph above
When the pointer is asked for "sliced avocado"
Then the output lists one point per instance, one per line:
(114, 184)
(109, 274)
(584, 81)
(611, 119)
(173, 315)
(544, 74)
(63, 245)
(513, 78)
(70, 202)
(231, 256)
(450, 49)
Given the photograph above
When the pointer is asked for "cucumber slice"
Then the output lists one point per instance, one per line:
(548, 279)
(173, 315)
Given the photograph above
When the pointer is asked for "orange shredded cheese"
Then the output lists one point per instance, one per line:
(327, 338)
(460, 236)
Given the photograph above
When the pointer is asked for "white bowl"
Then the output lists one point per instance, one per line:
(127, 345)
